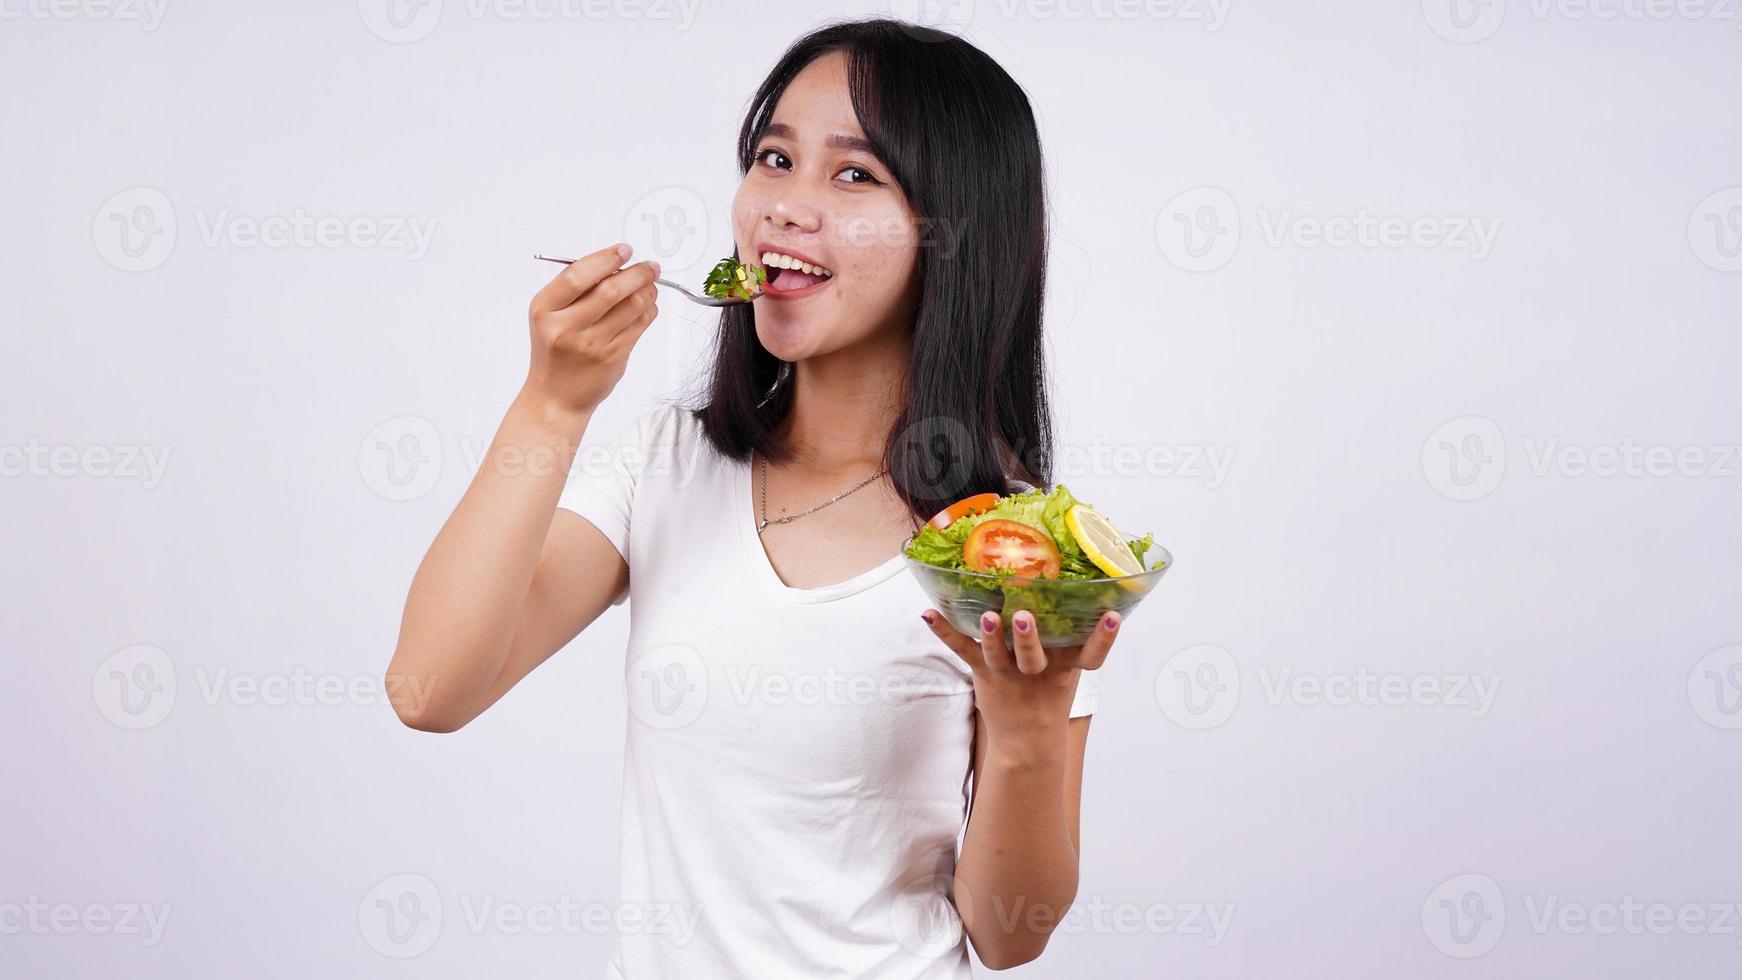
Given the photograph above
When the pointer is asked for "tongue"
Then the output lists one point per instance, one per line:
(793, 279)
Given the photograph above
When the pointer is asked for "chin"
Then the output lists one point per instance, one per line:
(785, 340)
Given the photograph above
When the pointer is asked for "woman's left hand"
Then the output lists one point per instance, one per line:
(1030, 687)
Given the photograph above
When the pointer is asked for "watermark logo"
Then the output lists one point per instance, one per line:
(408, 21)
(148, 14)
(134, 687)
(401, 916)
(36, 917)
(121, 462)
(1471, 233)
(134, 230)
(924, 916)
(1715, 230)
(936, 14)
(400, 21)
(673, 221)
(1465, 458)
(1715, 688)
(1199, 687)
(1464, 21)
(401, 459)
(1199, 229)
(1464, 916)
(667, 686)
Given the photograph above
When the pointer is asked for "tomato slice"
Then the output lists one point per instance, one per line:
(977, 504)
(1020, 547)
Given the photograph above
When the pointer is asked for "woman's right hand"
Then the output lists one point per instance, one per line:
(584, 323)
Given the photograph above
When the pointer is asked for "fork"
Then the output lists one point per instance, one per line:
(704, 300)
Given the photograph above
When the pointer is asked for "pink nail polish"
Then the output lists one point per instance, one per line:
(926, 616)
(1112, 623)
(1022, 623)
(988, 622)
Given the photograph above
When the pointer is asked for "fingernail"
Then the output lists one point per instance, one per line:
(1022, 624)
(1112, 622)
(623, 252)
(929, 617)
(654, 266)
(988, 622)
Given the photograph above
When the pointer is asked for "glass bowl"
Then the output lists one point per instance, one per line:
(1066, 611)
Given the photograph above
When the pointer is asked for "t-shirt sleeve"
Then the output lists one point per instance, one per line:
(601, 484)
(1088, 694)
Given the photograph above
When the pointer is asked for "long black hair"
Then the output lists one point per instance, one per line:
(959, 136)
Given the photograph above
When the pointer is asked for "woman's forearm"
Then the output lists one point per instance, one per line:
(1016, 875)
(466, 598)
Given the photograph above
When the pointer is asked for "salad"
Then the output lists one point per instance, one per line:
(1028, 535)
(732, 279)
(1044, 551)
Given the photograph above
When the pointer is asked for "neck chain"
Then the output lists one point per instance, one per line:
(793, 517)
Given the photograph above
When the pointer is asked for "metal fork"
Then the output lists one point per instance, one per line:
(702, 299)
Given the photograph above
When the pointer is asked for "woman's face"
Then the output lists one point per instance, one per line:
(811, 192)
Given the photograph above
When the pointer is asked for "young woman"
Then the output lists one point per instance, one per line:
(802, 727)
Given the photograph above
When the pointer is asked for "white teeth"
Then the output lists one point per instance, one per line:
(776, 260)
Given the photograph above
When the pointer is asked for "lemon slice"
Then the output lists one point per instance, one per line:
(1101, 541)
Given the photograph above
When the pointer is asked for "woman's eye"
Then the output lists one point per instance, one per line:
(763, 155)
(866, 174)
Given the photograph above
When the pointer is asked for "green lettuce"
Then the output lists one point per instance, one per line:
(1037, 508)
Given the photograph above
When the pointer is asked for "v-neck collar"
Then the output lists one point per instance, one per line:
(744, 515)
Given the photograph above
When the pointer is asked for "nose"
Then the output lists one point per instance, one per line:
(791, 212)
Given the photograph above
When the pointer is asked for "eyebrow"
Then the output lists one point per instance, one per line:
(839, 141)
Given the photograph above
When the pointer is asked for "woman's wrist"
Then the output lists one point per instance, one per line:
(536, 406)
(1029, 748)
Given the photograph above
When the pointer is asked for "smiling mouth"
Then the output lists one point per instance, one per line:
(789, 275)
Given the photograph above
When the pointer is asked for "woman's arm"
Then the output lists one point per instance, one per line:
(1017, 874)
(510, 579)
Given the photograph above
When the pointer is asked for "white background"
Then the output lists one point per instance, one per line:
(1403, 425)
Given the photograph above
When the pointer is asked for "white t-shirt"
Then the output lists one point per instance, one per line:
(796, 765)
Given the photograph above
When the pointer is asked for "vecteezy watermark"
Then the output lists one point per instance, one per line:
(1207, 922)
(135, 230)
(1715, 688)
(148, 14)
(667, 686)
(1200, 687)
(36, 917)
(673, 222)
(1099, 458)
(1465, 459)
(1715, 230)
(1469, 21)
(136, 687)
(1200, 229)
(121, 462)
(406, 21)
(401, 916)
(923, 914)
(1212, 14)
(1471, 233)
(829, 686)
(1366, 688)
(401, 459)
(1465, 916)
